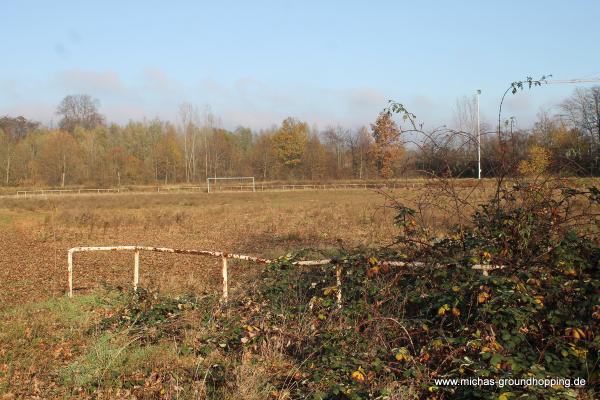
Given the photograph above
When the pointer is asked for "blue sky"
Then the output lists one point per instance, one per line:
(327, 62)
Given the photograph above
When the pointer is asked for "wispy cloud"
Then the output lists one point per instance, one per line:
(246, 100)
(87, 81)
(35, 111)
(252, 90)
(209, 87)
(366, 98)
(156, 79)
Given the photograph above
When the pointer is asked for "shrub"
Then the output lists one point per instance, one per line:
(401, 328)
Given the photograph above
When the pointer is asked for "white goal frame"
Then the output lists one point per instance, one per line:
(240, 178)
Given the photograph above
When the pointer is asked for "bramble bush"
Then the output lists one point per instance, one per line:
(400, 328)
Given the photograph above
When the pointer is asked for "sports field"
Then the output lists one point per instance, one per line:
(35, 234)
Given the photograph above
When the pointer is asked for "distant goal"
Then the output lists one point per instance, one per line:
(236, 183)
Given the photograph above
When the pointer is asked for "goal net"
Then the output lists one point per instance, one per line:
(237, 183)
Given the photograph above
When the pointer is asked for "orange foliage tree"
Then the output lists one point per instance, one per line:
(387, 148)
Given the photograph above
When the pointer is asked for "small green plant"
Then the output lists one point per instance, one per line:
(111, 357)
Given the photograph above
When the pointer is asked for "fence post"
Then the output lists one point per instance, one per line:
(225, 291)
(70, 268)
(338, 284)
(136, 270)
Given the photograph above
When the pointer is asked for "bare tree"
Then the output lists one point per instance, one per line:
(211, 123)
(359, 142)
(189, 125)
(465, 118)
(79, 110)
(583, 111)
(335, 138)
(263, 155)
(543, 128)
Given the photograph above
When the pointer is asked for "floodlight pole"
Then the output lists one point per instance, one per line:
(478, 139)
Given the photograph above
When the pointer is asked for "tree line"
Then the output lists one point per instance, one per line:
(86, 150)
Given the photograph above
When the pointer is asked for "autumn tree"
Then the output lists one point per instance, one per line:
(79, 110)
(150, 152)
(537, 162)
(290, 143)
(27, 156)
(17, 127)
(60, 159)
(116, 161)
(225, 155)
(142, 141)
(314, 158)
(94, 144)
(572, 150)
(5, 153)
(12, 130)
(387, 148)
(243, 139)
(169, 155)
(263, 155)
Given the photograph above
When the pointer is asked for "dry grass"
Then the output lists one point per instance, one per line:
(36, 233)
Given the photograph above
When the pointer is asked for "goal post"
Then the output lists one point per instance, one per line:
(230, 183)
